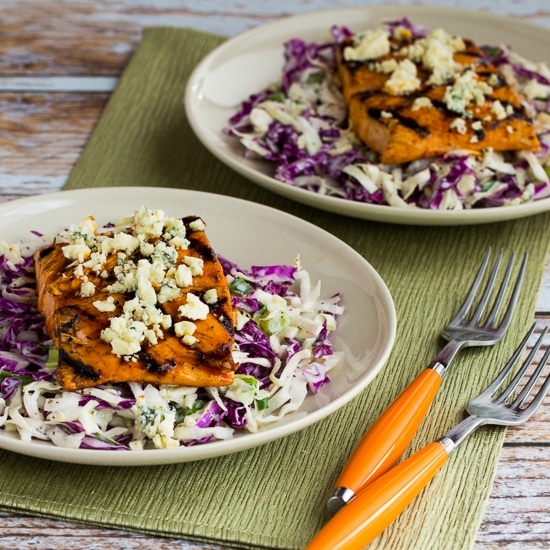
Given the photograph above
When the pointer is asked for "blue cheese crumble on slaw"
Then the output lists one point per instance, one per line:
(282, 347)
(300, 125)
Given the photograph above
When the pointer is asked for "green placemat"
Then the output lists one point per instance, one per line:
(274, 496)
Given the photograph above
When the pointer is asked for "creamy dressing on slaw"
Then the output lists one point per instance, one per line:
(282, 348)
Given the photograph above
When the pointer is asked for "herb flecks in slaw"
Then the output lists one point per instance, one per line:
(300, 126)
(283, 349)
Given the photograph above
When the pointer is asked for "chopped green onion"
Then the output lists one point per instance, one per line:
(53, 358)
(182, 412)
(492, 51)
(315, 78)
(262, 404)
(279, 97)
(239, 287)
(275, 323)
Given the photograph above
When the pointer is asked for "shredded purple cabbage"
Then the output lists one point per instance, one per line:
(24, 349)
(324, 171)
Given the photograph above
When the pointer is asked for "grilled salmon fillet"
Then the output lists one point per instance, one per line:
(412, 114)
(78, 323)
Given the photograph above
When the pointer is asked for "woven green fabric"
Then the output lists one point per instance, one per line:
(273, 496)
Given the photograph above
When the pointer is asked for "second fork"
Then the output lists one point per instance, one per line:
(389, 436)
(379, 504)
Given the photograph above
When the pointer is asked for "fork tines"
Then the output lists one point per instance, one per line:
(477, 314)
(519, 401)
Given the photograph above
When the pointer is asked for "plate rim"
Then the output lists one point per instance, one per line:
(372, 212)
(153, 457)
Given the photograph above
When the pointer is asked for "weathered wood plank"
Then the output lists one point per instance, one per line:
(29, 533)
(518, 508)
(97, 37)
(517, 511)
(42, 136)
(63, 38)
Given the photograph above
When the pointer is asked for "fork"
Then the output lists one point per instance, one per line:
(387, 439)
(376, 506)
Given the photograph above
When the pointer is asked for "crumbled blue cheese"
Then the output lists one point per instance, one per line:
(168, 291)
(183, 276)
(79, 252)
(436, 53)
(369, 44)
(403, 80)
(173, 227)
(124, 335)
(385, 67)
(458, 124)
(422, 103)
(155, 418)
(107, 305)
(465, 90)
(197, 225)
(498, 110)
(194, 309)
(185, 331)
(164, 254)
(211, 296)
(146, 249)
(87, 289)
(153, 279)
(95, 262)
(414, 51)
(84, 232)
(146, 292)
(151, 271)
(149, 223)
(477, 125)
(126, 278)
(195, 264)
(122, 241)
(438, 56)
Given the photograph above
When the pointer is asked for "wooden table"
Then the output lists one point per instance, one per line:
(59, 61)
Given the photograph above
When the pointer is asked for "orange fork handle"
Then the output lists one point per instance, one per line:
(387, 439)
(377, 506)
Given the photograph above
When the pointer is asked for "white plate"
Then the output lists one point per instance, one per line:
(248, 234)
(249, 62)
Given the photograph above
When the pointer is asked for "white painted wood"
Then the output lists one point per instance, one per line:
(91, 84)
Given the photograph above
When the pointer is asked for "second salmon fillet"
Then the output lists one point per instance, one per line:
(411, 98)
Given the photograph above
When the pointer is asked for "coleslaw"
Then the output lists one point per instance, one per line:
(282, 347)
(300, 125)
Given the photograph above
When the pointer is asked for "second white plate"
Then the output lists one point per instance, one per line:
(251, 61)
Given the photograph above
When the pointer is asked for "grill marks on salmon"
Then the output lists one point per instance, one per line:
(420, 124)
(75, 325)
